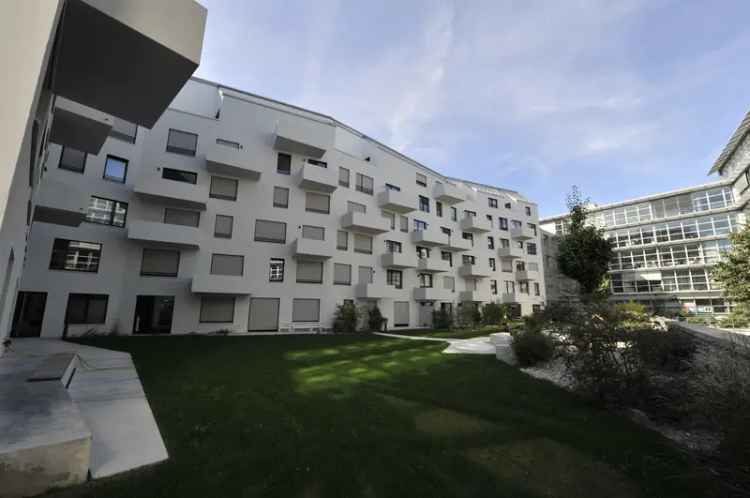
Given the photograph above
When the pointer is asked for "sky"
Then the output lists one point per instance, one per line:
(622, 98)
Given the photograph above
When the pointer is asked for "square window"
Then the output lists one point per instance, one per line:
(87, 308)
(344, 177)
(182, 142)
(364, 184)
(223, 188)
(179, 175)
(276, 270)
(227, 264)
(75, 255)
(160, 263)
(115, 169)
(217, 309)
(342, 274)
(107, 212)
(223, 226)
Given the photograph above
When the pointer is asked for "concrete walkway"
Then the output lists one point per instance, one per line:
(108, 394)
(475, 345)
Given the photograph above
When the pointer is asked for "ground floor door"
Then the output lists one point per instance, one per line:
(29, 314)
(514, 310)
(426, 309)
(264, 314)
(153, 314)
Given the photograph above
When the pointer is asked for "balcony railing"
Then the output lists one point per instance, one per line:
(164, 234)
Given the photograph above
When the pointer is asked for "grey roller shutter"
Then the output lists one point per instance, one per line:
(185, 217)
(342, 274)
(401, 313)
(314, 233)
(264, 314)
(227, 264)
(317, 203)
(217, 309)
(449, 283)
(310, 272)
(160, 262)
(306, 310)
(365, 275)
(270, 231)
(223, 188)
(362, 243)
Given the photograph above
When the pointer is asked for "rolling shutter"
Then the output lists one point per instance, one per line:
(264, 314)
(306, 310)
(401, 313)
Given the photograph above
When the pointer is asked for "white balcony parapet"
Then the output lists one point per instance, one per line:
(219, 284)
(373, 291)
(318, 178)
(429, 238)
(312, 249)
(79, 127)
(433, 294)
(457, 244)
(522, 233)
(60, 204)
(224, 160)
(305, 137)
(447, 193)
(510, 252)
(473, 296)
(398, 202)
(524, 275)
(174, 192)
(164, 233)
(475, 224)
(433, 265)
(368, 223)
(398, 260)
(478, 270)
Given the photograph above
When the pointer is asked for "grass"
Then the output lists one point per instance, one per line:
(365, 416)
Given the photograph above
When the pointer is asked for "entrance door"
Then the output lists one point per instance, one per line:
(153, 314)
(29, 313)
(264, 314)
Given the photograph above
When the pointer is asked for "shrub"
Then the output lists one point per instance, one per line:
(739, 317)
(532, 346)
(468, 315)
(632, 315)
(375, 319)
(670, 350)
(495, 314)
(442, 319)
(346, 318)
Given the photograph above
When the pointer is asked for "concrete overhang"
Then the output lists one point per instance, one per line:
(79, 127)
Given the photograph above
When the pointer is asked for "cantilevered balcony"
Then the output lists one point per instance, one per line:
(512, 252)
(368, 223)
(523, 275)
(170, 191)
(60, 203)
(457, 244)
(477, 270)
(219, 284)
(374, 291)
(429, 238)
(225, 160)
(127, 58)
(305, 137)
(398, 202)
(312, 249)
(318, 178)
(510, 297)
(164, 234)
(398, 260)
(522, 233)
(433, 294)
(475, 224)
(79, 127)
(447, 193)
(432, 265)
(474, 296)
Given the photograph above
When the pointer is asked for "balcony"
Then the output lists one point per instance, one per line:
(429, 238)
(398, 260)
(473, 296)
(524, 275)
(433, 294)
(457, 244)
(477, 270)
(170, 191)
(219, 284)
(164, 233)
(373, 291)
(79, 127)
(312, 249)
(162, 39)
(433, 265)
(510, 253)
(305, 137)
(475, 224)
(522, 233)
(224, 160)
(60, 204)
(509, 297)
(447, 193)
(318, 178)
(368, 223)
(398, 202)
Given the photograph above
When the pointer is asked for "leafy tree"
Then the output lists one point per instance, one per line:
(375, 319)
(346, 318)
(733, 271)
(583, 252)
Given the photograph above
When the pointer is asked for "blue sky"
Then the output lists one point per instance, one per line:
(620, 97)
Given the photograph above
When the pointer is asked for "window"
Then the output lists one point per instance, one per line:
(537, 290)
(75, 255)
(270, 231)
(439, 209)
(490, 242)
(106, 212)
(394, 278)
(447, 256)
(421, 180)
(493, 204)
(223, 226)
(468, 213)
(401, 313)
(392, 246)
(182, 142)
(424, 204)
(447, 231)
(449, 283)
(454, 214)
(423, 252)
(306, 310)
(309, 272)
(276, 270)
(515, 224)
(179, 175)
(532, 227)
(364, 184)
(425, 280)
(403, 223)
(420, 225)
(115, 169)
(493, 264)
(314, 233)
(510, 287)
(491, 221)
(355, 207)
(342, 240)
(342, 274)
(391, 217)
(528, 210)
(280, 197)
(468, 236)
(530, 248)
(87, 308)
(523, 287)
(315, 162)
(123, 130)
(365, 274)
(468, 259)
(72, 160)
(160, 263)
(392, 188)
(507, 205)
(174, 216)
(217, 309)
(284, 164)
(362, 243)
(317, 203)
(223, 188)
(228, 143)
(503, 223)
(344, 177)
(227, 264)
(493, 287)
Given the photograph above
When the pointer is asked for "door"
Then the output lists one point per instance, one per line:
(264, 314)
(426, 309)
(153, 314)
(29, 314)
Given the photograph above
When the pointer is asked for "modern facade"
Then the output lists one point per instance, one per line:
(241, 213)
(665, 244)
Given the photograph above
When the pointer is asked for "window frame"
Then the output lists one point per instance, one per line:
(211, 267)
(66, 168)
(234, 308)
(222, 196)
(271, 241)
(52, 255)
(179, 150)
(160, 274)
(88, 306)
(279, 155)
(192, 174)
(277, 261)
(231, 226)
(111, 213)
(112, 178)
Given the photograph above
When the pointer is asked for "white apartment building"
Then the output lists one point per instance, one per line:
(241, 213)
(665, 244)
(77, 71)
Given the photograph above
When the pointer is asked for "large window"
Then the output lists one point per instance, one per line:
(106, 212)
(186, 217)
(123, 130)
(392, 246)
(270, 231)
(75, 255)
(87, 308)
(344, 177)
(420, 225)
(160, 263)
(425, 280)
(179, 175)
(284, 164)
(309, 272)
(223, 188)
(317, 203)
(342, 274)
(421, 180)
(217, 309)
(355, 207)
(115, 169)
(364, 184)
(227, 264)
(342, 240)
(182, 142)
(224, 226)
(492, 202)
(313, 232)
(72, 160)
(362, 243)
(401, 313)
(395, 278)
(280, 197)
(424, 204)
(276, 270)
(306, 310)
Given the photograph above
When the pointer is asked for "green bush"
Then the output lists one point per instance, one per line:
(670, 350)
(346, 318)
(442, 319)
(532, 346)
(495, 314)
(468, 315)
(375, 319)
(739, 317)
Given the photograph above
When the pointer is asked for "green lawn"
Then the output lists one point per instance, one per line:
(351, 416)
